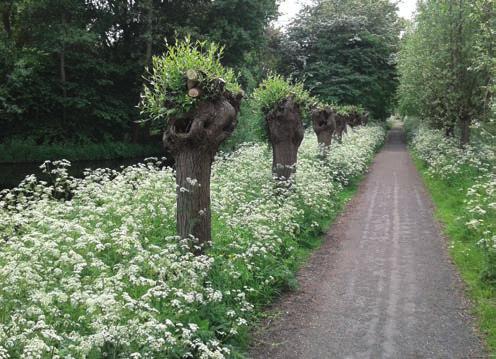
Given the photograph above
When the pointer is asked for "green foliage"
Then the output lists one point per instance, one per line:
(250, 128)
(275, 88)
(72, 69)
(241, 28)
(345, 52)
(165, 93)
(272, 91)
(348, 109)
(27, 150)
(446, 64)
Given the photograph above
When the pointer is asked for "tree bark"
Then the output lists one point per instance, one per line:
(284, 158)
(193, 140)
(194, 92)
(286, 133)
(324, 138)
(340, 126)
(193, 198)
(364, 119)
(7, 24)
(149, 32)
(449, 131)
(324, 125)
(63, 75)
(465, 130)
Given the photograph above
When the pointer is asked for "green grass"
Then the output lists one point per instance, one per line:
(468, 256)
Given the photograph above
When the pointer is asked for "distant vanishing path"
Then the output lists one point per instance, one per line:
(382, 285)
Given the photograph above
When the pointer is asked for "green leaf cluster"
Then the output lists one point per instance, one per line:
(165, 93)
(272, 92)
(275, 89)
(348, 109)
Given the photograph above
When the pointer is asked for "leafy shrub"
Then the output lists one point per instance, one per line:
(249, 128)
(165, 94)
(446, 159)
(103, 273)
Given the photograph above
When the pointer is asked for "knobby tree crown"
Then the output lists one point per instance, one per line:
(188, 74)
(276, 89)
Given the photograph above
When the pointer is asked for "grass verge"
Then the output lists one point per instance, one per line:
(467, 255)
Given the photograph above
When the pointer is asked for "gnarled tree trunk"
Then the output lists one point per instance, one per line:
(449, 131)
(464, 129)
(324, 125)
(364, 119)
(340, 126)
(354, 119)
(193, 140)
(285, 135)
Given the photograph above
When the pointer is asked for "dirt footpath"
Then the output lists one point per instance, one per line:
(382, 285)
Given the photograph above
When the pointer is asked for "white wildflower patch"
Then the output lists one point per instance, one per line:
(91, 267)
(445, 159)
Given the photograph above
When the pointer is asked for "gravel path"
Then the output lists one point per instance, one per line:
(382, 285)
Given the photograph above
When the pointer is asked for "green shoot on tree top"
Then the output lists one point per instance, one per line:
(165, 93)
(275, 88)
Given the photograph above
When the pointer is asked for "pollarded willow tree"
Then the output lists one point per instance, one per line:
(351, 116)
(355, 115)
(283, 105)
(195, 100)
(324, 124)
(341, 125)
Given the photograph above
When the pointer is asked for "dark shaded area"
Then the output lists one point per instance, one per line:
(71, 70)
(11, 174)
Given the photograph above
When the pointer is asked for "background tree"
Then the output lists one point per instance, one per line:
(483, 13)
(442, 79)
(345, 52)
(71, 70)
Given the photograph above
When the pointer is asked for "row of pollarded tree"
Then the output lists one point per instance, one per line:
(195, 100)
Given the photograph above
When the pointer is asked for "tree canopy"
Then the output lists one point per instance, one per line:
(345, 51)
(447, 65)
(72, 69)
